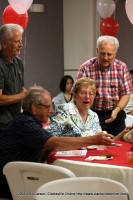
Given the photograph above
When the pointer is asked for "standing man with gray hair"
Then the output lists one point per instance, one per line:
(113, 82)
(12, 89)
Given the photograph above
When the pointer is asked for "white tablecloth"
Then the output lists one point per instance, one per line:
(118, 173)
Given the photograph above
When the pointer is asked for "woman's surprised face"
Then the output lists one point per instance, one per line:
(84, 98)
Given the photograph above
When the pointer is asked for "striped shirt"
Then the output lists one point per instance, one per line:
(111, 84)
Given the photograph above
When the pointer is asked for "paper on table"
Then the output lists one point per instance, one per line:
(98, 158)
(102, 147)
(92, 147)
(116, 145)
(78, 153)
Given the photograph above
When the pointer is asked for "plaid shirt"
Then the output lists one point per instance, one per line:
(111, 84)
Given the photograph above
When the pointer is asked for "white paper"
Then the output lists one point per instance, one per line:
(90, 158)
(77, 153)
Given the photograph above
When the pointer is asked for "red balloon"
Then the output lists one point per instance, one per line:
(11, 17)
(109, 26)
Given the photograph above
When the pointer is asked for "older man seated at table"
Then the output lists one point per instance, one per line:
(24, 139)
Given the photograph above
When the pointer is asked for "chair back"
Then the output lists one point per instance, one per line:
(82, 188)
(25, 177)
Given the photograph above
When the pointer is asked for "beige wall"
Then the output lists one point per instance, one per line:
(79, 25)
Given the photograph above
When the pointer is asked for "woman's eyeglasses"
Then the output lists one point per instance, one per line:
(84, 93)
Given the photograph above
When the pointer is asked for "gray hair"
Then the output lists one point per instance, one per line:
(6, 31)
(34, 96)
(109, 40)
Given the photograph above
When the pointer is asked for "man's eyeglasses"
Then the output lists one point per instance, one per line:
(46, 106)
(85, 93)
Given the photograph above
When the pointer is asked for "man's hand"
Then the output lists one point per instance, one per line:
(112, 117)
(103, 139)
(24, 91)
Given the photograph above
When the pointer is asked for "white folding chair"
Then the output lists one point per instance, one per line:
(25, 177)
(86, 188)
(129, 120)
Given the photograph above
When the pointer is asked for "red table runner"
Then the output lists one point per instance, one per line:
(118, 153)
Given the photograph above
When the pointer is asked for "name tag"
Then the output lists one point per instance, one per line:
(72, 111)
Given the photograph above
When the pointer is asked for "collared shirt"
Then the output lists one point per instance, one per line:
(111, 84)
(11, 82)
(67, 121)
(22, 140)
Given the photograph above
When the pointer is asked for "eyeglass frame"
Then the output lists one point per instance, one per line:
(85, 93)
(45, 106)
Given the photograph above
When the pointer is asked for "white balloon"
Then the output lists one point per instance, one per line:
(129, 10)
(20, 6)
(105, 7)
